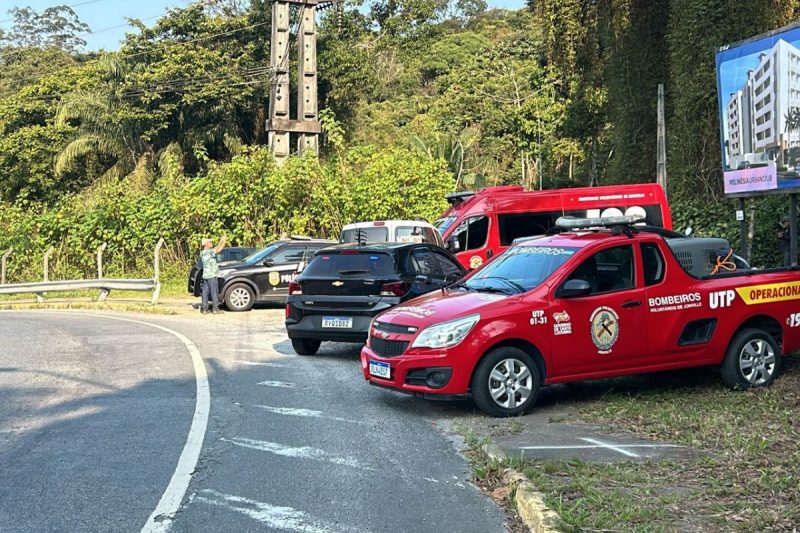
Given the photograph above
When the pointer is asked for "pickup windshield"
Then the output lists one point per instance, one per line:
(520, 269)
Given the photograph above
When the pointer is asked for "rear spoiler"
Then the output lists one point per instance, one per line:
(458, 197)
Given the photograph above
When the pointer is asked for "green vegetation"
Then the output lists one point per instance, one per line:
(166, 136)
(747, 481)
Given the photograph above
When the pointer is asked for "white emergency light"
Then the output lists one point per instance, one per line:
(599, 222)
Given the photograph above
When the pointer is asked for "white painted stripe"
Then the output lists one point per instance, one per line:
(279, 384)
(272, 516)
(308, 413)
(587, 446)
(257, 363)
(161, 518)
(302, 452)
(610, 447)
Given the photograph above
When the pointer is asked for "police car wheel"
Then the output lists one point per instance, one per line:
(239, 297)
(506, 382)
(306, 346)
(753, 359)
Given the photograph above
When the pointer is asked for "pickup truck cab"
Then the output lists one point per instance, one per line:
(587, 304)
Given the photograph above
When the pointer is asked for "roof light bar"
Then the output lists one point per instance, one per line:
(599, 222)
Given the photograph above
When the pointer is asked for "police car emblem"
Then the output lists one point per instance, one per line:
(604, 328)
(274, 278)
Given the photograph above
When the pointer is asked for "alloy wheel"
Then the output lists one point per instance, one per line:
(757, 361)
(510, 383)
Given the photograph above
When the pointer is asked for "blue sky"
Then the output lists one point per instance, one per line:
(101, 15)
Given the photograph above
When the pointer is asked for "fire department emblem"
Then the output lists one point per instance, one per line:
(274, 278)
(475, 261)
(604, 328)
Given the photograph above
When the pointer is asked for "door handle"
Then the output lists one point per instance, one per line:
(631, 303)
(489, 254)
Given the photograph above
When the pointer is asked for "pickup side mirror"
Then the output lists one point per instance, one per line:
(423, 279)
(453, 245)
(574, 288)
(268, 262)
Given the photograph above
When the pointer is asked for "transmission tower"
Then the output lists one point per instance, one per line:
(306, 125)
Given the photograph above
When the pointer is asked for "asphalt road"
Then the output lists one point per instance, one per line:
(94, 414)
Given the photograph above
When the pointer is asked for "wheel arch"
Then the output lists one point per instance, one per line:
(235, 281)
(763, 322)
(521, 344)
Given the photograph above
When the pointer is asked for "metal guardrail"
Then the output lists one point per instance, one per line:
(104, 285)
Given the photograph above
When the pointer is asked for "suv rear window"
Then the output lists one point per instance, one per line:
(373, 234)
(350, 264)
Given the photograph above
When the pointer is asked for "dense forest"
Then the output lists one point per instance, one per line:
(166, 136)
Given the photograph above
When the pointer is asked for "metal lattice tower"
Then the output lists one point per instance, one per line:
(280, 125)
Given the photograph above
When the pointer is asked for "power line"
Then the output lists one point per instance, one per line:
(70, 6)
(172, 85)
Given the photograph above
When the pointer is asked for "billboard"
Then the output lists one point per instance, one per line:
(758, 87)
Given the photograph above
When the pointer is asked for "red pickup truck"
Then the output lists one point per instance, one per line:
(589, 302)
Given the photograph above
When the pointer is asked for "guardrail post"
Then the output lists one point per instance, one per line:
(3, 265)
(103, 292)
(40, 295)
(157, 271)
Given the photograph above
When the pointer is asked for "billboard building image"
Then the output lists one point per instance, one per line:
(759, 99)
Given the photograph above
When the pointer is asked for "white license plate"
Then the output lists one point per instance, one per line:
(381, 370)
(342, 322)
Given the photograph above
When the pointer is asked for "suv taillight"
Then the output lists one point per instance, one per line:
(295, 288)
(396, 288)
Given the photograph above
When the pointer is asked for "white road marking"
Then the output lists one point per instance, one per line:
(257, 363)
(308, 413)
(431, 480)
(302, 452)
(161, 518)
(610, 447)
(595, 444)
(272, 516)
(279, 384)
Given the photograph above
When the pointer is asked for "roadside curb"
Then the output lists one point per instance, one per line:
(531, 508)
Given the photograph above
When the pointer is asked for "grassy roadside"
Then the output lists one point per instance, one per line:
(750, 481)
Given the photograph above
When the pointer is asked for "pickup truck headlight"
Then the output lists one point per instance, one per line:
(445, 334)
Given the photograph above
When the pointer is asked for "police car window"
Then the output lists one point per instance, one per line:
(472, 233)
(653, 263)
(289, 254)
(429, 235)
(423, 262)
(449, 269)
(608, 270)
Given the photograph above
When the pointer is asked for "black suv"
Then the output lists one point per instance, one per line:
(344, 286)
(264, 275)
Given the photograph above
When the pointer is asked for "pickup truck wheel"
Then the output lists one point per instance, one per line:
(506, 382)
(240, 297)
(305, 346)
(753, 359)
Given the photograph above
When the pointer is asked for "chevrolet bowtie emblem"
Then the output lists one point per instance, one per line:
(338, 283)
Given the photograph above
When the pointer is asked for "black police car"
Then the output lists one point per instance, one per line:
(344, 286)
(263, 276)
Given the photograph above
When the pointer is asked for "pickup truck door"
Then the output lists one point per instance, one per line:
(606, 329)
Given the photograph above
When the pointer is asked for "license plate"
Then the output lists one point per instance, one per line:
(342, 322)
(381, 370)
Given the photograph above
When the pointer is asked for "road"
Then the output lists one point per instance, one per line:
(95, 413)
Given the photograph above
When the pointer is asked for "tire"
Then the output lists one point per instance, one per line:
(305, 346)
(753, 359)
(490, 382)
(240, 297)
